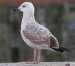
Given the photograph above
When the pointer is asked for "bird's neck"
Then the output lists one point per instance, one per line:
(28, 16)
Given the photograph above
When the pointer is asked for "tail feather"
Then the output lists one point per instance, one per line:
(61, 49)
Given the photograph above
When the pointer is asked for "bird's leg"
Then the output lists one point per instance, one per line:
(36, 55)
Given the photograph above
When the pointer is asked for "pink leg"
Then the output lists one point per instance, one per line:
(36, 57)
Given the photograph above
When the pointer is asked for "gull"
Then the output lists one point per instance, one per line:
(35, 35)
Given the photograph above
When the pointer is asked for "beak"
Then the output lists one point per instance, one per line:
(16, 9)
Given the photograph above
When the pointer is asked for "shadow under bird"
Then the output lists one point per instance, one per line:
(36, 35)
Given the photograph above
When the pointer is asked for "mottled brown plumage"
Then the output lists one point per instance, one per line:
(36, 35)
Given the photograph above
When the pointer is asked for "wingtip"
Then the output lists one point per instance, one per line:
(62, 50)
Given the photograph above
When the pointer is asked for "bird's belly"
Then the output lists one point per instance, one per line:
(29, 43)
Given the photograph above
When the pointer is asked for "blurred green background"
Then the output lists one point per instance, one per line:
(58, 16)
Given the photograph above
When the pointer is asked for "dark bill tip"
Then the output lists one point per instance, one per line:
(15, 9)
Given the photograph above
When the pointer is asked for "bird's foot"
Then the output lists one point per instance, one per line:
(31, 62)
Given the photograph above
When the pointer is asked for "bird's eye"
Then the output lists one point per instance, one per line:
(23, 5)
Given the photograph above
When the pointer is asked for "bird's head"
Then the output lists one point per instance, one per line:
(26, 7)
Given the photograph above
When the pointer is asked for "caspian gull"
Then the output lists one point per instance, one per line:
(36, 35)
